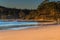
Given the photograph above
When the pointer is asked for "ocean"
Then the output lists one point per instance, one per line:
(15, 25)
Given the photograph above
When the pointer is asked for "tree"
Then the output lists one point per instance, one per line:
(21, 14)
(47, 9)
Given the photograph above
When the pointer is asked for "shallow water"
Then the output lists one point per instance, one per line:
(15, 25)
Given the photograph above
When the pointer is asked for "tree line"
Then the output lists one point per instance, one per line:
(44, 11)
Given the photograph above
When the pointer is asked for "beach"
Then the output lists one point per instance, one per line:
(51, 32)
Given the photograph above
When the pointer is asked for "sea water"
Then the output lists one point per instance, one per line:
(15, 25)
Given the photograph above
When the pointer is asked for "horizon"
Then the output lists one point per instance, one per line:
(21, 4)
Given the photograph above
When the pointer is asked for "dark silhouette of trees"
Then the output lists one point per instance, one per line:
(46, 11)
(21, 14)
(50, 10)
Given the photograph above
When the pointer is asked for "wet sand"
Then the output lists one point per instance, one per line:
(39, 33)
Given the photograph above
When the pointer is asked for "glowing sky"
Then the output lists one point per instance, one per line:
(23, 4)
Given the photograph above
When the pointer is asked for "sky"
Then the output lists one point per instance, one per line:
(23, 4)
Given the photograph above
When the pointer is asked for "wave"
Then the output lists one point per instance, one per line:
(16, 25)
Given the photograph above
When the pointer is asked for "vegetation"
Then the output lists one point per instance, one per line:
(45, 11)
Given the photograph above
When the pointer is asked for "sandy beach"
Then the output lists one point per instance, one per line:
(39, 33)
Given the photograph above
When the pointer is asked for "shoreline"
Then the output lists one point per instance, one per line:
(35, 27)
(38, 33)
(28, 27)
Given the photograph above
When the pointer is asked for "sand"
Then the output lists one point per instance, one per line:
(40, 33)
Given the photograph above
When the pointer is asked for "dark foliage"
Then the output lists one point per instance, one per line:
(46, 11)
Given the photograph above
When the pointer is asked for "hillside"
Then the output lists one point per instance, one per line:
(45, 11)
